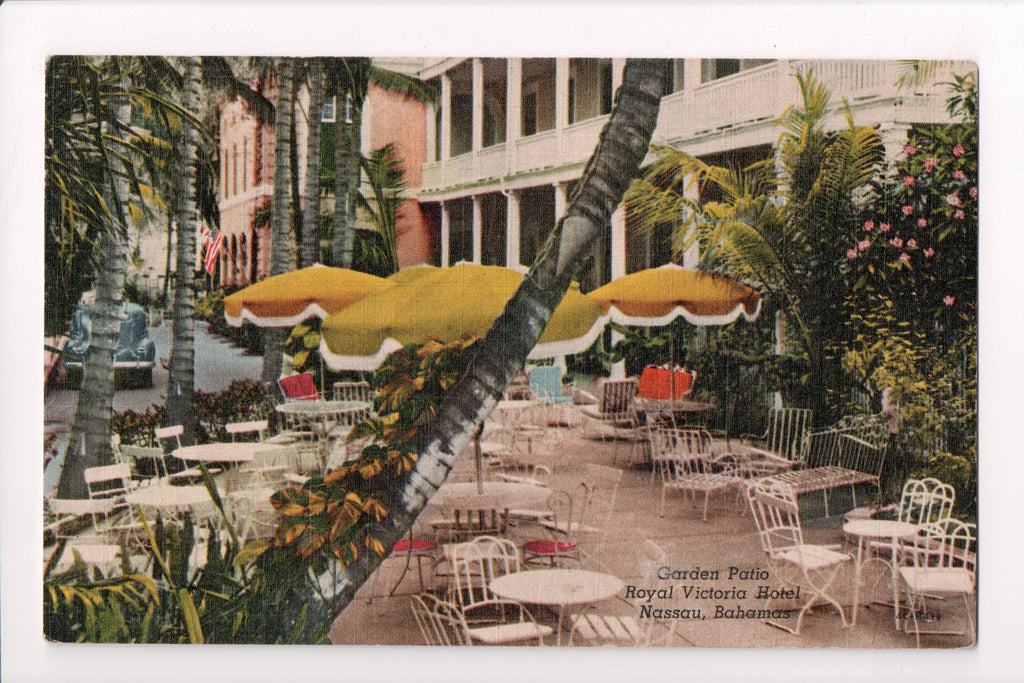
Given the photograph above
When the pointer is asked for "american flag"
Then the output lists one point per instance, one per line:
(212, 249)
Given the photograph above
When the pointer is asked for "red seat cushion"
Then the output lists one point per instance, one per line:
(656, 383)
(299, 387)
(546, 547)
(418, 546)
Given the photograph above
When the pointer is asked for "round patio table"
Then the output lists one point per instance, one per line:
(557, 587)
(173, 498)
(496, 494)
(890, 530)
(217, 452)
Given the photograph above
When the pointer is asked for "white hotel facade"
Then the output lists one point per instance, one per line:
(507, 138)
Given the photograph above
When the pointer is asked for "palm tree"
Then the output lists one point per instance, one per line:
(502, 352)
(89, 442)
(281, 242)
(350, 78)
(181, 374)
(310, 252)
(779, 223)
(385, 178)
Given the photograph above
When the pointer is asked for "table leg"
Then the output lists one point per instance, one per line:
(857, 579)
(895, 590)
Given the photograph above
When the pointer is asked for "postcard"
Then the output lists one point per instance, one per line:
(542, 348)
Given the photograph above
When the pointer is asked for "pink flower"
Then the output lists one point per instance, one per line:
(908, 180)
(958, 214)
(973, 192)
(883, 227)
(922, 222)
(958, 150)
(904, 257)
(929, 252)
(907, 209)
(911, 244)
(948, 300)
(953, 199)
(930, 164)
(959, 175)
(863, 245)
(909, 149)
(869, 226)
(896, 242)
(851, 254)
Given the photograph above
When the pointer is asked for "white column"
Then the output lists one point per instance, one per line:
(512, 229)
(431, 132)
(561, 190)
(478, 104)
(618, 245)
(561, 101)
(477, 230)
(446, 117)
(513, 110)
(446, 234)
(691, 73)
(618, 64)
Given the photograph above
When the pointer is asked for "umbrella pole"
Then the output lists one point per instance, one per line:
(479, 459)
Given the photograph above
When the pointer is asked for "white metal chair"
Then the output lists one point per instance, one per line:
(921, 502)
(251, 427)
(791, 562)
(780, 447)
(489, 619)
(440, 621)
(685, 459)
(353, 391)
(111, 483)
(947, 568)
(613, 415)
(253, 515)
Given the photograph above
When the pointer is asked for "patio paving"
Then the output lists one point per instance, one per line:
(727, 539)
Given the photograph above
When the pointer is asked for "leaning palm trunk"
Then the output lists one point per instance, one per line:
(502, 352)
(89, 442)
(181, 374)
(273, 337)
(311, 206)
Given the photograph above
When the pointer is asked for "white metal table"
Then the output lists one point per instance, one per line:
(217, 452)
(557, 587)
(891, 530)
(175, 499)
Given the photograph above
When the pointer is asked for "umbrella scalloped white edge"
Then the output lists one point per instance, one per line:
(338, 362)
(313, 309)
(617, 316)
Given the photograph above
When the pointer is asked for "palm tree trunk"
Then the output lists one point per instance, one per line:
(181, 374)
(273, 337)
(502, 352)
(89, 442)
(310, 253)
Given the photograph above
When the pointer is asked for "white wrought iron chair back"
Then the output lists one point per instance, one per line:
(440, 622)
(478, 562)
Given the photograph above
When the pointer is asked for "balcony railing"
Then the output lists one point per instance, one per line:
(746, 101)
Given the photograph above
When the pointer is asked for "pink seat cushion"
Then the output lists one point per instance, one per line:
(299, 387)
(418, 546)
(546, 547)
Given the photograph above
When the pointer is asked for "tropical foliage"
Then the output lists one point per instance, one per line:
(777, 226)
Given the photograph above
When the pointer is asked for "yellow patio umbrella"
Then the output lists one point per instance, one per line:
(286, 300)
(657, 296)
(445, 303)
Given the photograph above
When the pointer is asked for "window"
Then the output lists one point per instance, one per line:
(530, 111)
(572, 100)
(224, 172)
(327, 110)
(234, 169)
(245, 165)
(606, 87)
